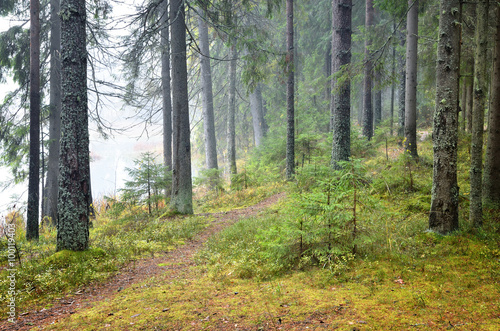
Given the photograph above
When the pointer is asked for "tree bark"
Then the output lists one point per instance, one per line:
(491, 182)
(256, 108)
(402, 88)
(290, 93)
(182, 186)
(52, 185)
(393, 87)
(231, 134)
(411, 80)
(470, 96)
(34, 163)
(480, 93)
(463, 103)
(377, 99)
(207, 96)
(443, 217)
(166, 90)
(74, 178)
(368, 71)
(341, 98)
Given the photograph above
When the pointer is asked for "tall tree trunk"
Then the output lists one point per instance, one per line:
(165, 87)
(231, 134)
(182, 185)
(463, 103)
(480, 93)
(491, 182)
(377, 99)
(368, 72)
(443, 216)
(470, 95)
(341, 98)
(402, 88)
(411, 79)
(290, 94)
(207, 96)
(52, 185)
(34, 163)
(393, 87)
(74, 177)
(328, 73)
(256, 108)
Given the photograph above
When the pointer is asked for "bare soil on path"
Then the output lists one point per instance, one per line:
(135, 272)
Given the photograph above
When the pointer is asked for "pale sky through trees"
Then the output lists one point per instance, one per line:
(108, 157)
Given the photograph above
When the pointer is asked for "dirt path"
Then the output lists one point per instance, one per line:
(136, 272)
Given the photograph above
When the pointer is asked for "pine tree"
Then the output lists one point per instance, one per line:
(341, 98)
(491, 181)
(74, 178)
(34, 163)
(443, 217)
(411, 80)
(182, 185)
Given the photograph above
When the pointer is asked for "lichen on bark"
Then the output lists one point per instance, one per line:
(443, 216)
(74, 178)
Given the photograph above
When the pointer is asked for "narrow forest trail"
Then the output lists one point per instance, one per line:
(174, 263)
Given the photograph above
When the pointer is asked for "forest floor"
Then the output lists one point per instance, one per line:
(174, 265)
(448, 283)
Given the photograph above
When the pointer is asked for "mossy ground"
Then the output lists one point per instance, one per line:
(453, 284)
(402, 278)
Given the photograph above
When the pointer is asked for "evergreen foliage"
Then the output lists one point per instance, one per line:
(148, 180)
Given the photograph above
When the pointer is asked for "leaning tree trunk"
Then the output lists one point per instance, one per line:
(368, 71)
(290, 93)
(411, 79)
(165, 87)
(52, 185)
(443, 216)
(491, 182)
(34, 163)
(74, 177)
(207, 96)
(231, 134)
(480, 93)
(341, 98)
(182, 185)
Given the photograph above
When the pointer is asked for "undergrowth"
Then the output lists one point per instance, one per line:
(44, 274)
(373, 208)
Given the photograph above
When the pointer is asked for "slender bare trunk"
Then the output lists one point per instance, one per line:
(207, 96)
(411, 79)
(290, 95)
(491, 182)
(341, 98)
(256, 108)
(166, 90)
(368, 72)
(34, 163)
(231, 134)
(480, 93)
(52, 185)
(182, 185)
